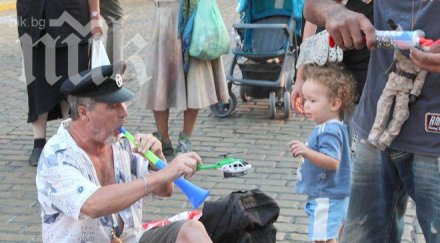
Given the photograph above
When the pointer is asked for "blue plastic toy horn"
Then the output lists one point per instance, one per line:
(195, 194)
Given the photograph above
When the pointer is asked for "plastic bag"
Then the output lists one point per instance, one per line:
(210, 38)
(99, 55)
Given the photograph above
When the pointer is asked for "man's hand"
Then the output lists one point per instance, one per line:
(349, 29)
(183, 165)
(298, 148)
(427, 60)
(145, 142)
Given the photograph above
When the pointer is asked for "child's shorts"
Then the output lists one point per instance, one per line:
(325, 217)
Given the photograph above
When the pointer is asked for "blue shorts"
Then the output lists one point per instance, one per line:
(325, 217)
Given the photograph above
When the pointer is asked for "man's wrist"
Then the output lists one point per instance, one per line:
(145, 180)
(94, 14)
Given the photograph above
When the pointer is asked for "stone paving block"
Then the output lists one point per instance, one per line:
(293, 212)
(290, 204)
(288, 176)
(267, 182)
(26, 219)
(290, 228)
(297, 237)
(15, 227)
(14, 237)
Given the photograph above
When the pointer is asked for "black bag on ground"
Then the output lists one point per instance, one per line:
(241, 217)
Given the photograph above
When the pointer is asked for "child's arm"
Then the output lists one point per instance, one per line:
(319, 159)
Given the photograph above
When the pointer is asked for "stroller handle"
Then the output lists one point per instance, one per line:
(285, 27)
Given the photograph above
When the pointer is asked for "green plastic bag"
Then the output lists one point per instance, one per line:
(210, 37)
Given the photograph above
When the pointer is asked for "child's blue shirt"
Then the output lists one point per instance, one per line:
(330, 138)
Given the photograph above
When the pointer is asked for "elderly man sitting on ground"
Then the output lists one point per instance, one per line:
(91, 184)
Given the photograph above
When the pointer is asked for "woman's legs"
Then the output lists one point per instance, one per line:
(189, 120)
(161, 118)
(65, 108)
(184, 142)
(39, 126)
(39, 129)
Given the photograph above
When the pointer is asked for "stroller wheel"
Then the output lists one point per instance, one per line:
(244, 97)
(286, 107)
(223, 110)
(272, 105)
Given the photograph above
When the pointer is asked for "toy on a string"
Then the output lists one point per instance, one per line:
(402, 40)
(230, 166)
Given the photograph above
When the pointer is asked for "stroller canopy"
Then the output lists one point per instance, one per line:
(253, 10)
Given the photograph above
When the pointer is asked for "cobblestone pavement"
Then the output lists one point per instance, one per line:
(248, 134)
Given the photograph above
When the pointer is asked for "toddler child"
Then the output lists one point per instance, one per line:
(324, 172)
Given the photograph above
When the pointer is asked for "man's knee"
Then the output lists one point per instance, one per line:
(192, 226)
(192, 230)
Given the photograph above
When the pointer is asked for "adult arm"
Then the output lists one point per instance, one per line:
(309, 30)
(114, 198)
(349, 29)
(95, 21)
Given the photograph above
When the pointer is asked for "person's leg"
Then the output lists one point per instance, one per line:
(39, 126)
(422, 178)
(189, 120)
(65, 108)
(39, 130)
(161, 118)
(325, 218)
(193, 231)
(378, 199)
(348, 118)
(180, 232)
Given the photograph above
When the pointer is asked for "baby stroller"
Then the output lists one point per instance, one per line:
(265, 53)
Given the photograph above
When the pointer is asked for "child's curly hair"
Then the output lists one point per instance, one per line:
(339, 82)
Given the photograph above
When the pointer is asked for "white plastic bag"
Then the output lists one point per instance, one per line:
(99, 55)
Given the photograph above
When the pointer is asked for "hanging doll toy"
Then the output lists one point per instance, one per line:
(404, 84)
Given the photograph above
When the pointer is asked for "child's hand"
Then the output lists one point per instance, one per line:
(298, 148)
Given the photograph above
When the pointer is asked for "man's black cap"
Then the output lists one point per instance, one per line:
(102, 84)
